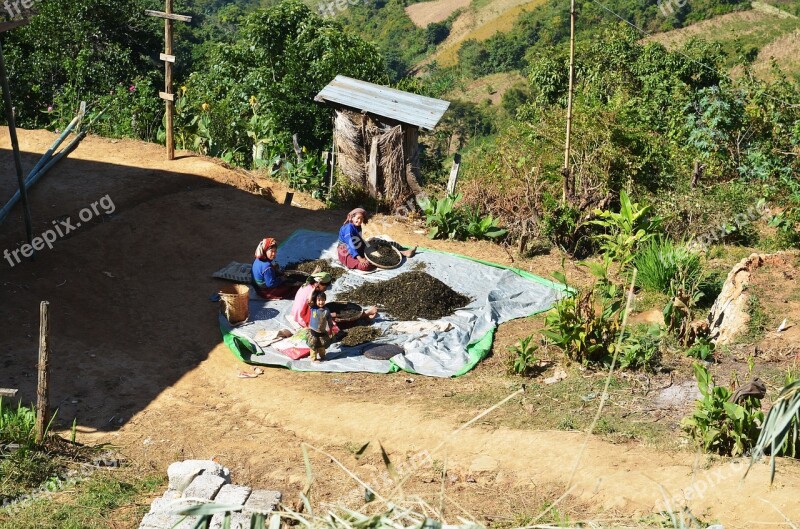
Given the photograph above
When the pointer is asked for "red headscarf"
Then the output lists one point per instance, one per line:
(263, 246)
(354, 213)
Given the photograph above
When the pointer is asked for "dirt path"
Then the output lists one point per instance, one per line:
(138, 359)
(424, 13)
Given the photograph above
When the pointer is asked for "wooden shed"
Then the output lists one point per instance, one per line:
(376, 135)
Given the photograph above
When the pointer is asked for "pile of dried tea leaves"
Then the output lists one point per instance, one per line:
(360, 334)
(409, 296)
(318, 265)
(382, 253)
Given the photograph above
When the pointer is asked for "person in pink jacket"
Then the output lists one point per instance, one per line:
(301, 308)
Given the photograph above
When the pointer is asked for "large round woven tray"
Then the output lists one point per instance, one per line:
(381, 351)
(345, 312)
(371, 254)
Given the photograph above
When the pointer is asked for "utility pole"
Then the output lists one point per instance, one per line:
(169, 59)
(569, 182)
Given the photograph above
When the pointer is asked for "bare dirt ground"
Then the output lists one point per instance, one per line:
(424, 13)
(138, 361)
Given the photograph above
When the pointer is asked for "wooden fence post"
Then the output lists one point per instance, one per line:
(451, 183)
(42, 388)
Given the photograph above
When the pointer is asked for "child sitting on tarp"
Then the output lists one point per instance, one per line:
(321, 328)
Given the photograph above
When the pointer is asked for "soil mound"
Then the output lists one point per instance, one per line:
(410, 296)
(360, 334)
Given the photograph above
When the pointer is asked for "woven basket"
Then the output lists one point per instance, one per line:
(233, 301)
(368, 251)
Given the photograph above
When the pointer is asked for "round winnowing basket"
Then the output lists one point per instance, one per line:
(233, 301)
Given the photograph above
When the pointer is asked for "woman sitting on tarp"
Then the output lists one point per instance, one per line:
(267, 277)
(351, 243)
(304, 300)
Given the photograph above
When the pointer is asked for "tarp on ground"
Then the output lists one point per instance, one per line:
(499, 294)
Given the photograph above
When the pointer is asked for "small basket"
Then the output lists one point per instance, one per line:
(233, 303)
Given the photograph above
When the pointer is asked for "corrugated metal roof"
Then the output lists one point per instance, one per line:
(383, 101)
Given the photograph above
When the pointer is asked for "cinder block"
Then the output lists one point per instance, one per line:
(182, 473)
(262, 501)
(232, 495)
(204, 487)
(154, 520)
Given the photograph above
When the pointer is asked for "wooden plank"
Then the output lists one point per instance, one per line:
(372, 171)
(168, 16)
(8, 26)
(287, 200)
(166, 97)
(43, 386)
(8, 393)
(453, 181)
(167, 58)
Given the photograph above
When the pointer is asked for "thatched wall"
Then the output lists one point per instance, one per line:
(397, 163)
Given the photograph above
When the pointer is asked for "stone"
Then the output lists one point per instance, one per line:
(232, 495)
(204, 487)
(262, 501)
(182, 473)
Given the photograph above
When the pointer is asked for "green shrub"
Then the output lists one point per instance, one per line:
(703, 349)
(641, 349)
(780, 434)
(581, 333)
(665, 267)
(718, 425)
(523, 355)
(626, 230)
(446, 221)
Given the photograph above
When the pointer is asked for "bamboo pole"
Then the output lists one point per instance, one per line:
(12, 132)
(567, 170)
(42, 388)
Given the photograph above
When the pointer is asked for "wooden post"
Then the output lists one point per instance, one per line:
(297, 149)
(169, 59)
(372, 169)
(42, 388)
(453, 181)
(566, 172)
(12, 132)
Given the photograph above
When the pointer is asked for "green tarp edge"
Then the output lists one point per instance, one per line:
(477, 350)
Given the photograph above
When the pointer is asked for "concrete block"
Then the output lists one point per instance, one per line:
(154, 520)
(182, 473)
(204, 487)
(232, 495)
(262, 501)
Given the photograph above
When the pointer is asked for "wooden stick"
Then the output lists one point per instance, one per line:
(168, 82)
(8, 393)
(42, 388)
(567, 171)
(12, 132)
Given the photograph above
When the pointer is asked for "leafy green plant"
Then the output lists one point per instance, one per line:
(18, 425)
(442, 217)
(626, 230)
(781, 431)
(641, 349)
(718, 425)
(307, 175)
(523, 355)
(447, 221)
(583, 334)
(481, 227)
(702, 349)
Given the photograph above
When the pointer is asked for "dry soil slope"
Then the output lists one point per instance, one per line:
(480, 24)
(425, 13)
(774, 32)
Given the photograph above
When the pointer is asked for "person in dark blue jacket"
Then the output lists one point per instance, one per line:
(352, 244)
(267, 276)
